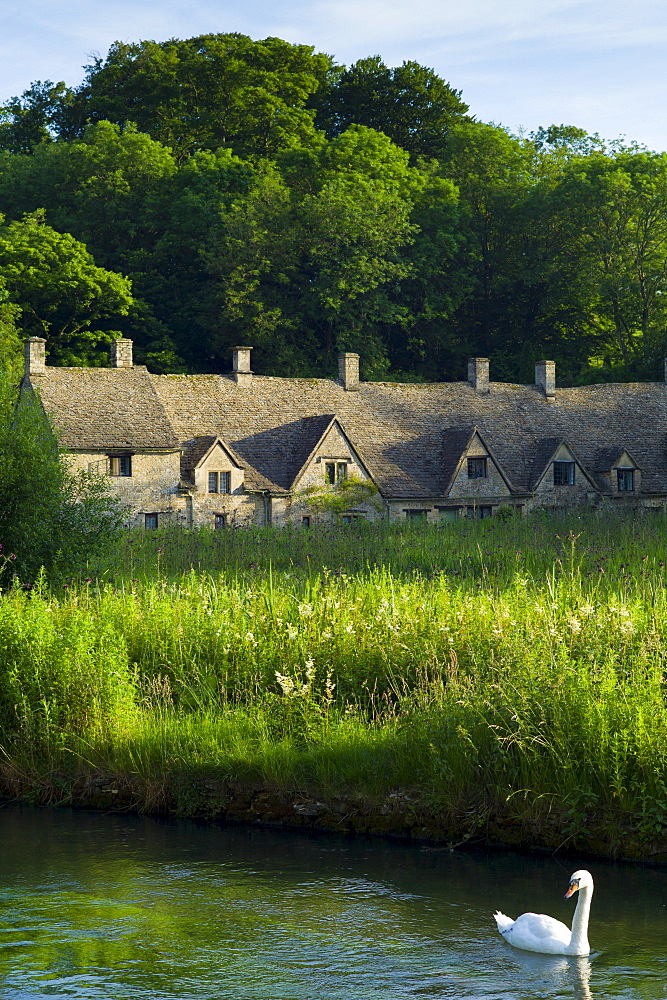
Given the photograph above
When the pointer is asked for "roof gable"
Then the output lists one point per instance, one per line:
(333, 423)
(199, 449)
(556, 450)
(457, 442)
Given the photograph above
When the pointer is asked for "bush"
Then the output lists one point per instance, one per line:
(49, 517)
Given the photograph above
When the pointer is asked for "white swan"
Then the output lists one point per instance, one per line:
(538, 932)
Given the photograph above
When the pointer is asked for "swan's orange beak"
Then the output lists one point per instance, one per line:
(571, 889)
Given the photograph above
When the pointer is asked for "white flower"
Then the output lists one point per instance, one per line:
(305, 610)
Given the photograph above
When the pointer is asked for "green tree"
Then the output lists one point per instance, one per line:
(612, 211)
(305, 268)
(204, 93)
(58, 289)
(10, 342)
(30, 119)
(409, 103)
(49, 517)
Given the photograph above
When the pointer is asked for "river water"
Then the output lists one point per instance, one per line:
(96, 906)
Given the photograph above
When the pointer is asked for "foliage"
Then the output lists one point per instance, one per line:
(342, 496)
(58, 289)
(256, 191)
(505, 672)
(410, 103)
(49, 517)
(204, 93)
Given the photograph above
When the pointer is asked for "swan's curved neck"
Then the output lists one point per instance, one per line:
(579, 939)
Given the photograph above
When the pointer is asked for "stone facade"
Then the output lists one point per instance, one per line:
(245, 449)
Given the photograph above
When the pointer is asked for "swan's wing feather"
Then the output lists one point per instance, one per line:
(538, 932)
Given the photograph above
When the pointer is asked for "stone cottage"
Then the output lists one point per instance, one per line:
(241, 448)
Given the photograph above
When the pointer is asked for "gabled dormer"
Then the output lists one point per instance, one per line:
(331, 459)
(617, 471)
(212, 466)
(470, 468)
(558, 472)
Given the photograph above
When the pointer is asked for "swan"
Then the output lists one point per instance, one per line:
(538, 932)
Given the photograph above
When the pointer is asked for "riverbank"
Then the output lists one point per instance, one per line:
(512, 692)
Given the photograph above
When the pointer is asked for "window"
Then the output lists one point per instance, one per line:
(218, 482)
(150, 522)
(417, 516)
(335, 472)
(220, 520)
(120, 465)
(626, 480)
(476, 468)
(478, 513)
(351, 518)
(563, 473)
(447, 515)
(305, 521)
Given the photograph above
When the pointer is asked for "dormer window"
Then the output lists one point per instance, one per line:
(120, 465)
(477, 468)
(563, 473)
(625, 480)
(219, 482)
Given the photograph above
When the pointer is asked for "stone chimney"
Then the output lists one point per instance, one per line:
(120, 353)
(348, 371)
(241, 371)
(34, 355)
(545, 377)
(478, 374)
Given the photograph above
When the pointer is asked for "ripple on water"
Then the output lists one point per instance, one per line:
(125, 907)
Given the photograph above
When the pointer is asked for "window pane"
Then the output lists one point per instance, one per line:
(626, 479)
(213, 482)
(150, 521)
(220, 520)
(416, 516)
(476, 468)
(330, 473)
(124, 465)
(563, 473)
(305, 521)
(341, 472)
(225, 482)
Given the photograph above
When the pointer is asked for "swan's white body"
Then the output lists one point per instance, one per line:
(538, 932)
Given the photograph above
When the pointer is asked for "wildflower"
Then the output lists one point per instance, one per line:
(305, 610)
(291, 633)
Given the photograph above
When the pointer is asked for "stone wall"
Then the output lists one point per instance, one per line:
(151, 489)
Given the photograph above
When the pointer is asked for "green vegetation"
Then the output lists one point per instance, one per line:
(257, 192)
(510, 676)
(52, 520)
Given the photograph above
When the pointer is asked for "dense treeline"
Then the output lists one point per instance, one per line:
(197, 194)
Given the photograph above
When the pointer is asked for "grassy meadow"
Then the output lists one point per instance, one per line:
(508, 675)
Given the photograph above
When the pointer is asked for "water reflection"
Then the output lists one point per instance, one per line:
(94, 906)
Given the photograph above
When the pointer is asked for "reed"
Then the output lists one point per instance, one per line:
(509, 671)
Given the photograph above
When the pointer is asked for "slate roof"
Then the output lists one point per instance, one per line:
(401, 430)
(104, 409)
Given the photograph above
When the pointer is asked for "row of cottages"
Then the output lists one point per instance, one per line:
(242, 449)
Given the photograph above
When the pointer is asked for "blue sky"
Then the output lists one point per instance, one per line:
(598, 64)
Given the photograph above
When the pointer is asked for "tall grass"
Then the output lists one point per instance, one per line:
(513, 672)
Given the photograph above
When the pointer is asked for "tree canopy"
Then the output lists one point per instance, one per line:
(257, 191)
